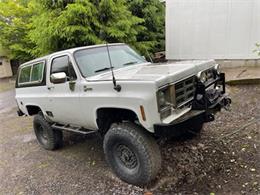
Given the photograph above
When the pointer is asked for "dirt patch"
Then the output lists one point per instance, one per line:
(7, 84)
(223, 159)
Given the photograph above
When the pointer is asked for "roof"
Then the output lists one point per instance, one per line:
(72, 50)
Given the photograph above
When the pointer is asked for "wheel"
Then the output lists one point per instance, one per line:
(47, 137)
(132, 153)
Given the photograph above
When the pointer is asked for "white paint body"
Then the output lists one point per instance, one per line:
(212, 29)
(139, 83)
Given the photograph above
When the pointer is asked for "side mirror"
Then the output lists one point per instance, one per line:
(59, 77)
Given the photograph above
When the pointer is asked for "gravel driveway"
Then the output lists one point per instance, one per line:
(224, 159)
(7, 101)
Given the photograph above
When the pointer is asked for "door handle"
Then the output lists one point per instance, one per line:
(86, 88)
(49, 88)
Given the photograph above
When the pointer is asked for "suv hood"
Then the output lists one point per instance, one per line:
(161, 74)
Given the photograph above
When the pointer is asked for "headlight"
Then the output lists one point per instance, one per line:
(202, 77)
(161, 98)
(164, 98)
(164, 101)
(217, 68)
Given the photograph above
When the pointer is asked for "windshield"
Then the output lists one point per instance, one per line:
(93, 61)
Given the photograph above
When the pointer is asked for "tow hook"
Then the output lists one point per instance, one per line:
(226, 102)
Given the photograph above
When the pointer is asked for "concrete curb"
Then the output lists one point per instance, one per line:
(245, 81)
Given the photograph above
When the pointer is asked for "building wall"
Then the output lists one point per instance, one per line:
(5, 68)
(212, 29)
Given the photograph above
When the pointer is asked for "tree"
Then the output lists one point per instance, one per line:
(3, 52)
(117, 24)
(57, 27)
(82, 22)
(14, 20)
(32, 28)
(152, 37)
(257, 50)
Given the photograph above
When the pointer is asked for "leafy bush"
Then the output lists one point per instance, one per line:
(32, 28)
(257, 50)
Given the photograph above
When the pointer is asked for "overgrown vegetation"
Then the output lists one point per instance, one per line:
(257, 49)
(32, 28)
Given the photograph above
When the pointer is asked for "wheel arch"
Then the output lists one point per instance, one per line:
(105, 116)
(33, 109)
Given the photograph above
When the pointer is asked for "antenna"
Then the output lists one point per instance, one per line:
(116, 87)
(149, 56)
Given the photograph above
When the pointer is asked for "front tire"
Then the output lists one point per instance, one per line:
(47, 137)
(133, 154)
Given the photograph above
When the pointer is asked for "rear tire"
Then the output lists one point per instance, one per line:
(47, 137)
(132, 153)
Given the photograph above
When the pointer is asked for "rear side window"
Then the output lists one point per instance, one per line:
(25, 74)
(37, 72)
(31, 74)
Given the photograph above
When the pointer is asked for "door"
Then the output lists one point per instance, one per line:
(63, 98)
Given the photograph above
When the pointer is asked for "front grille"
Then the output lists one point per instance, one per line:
(184, 91)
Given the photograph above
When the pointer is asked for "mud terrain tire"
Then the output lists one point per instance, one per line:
(132, 153)
(47, 137)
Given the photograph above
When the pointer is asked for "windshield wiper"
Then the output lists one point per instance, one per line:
(103, 69)
(129, 63)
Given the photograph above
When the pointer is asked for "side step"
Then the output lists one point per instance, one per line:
(73, 129)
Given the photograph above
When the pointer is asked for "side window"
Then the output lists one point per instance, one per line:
(37, 72)
(60, 64)
(32, 74)
(25, 74)
(63, 64)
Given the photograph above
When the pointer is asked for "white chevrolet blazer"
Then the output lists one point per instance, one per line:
(113, 91)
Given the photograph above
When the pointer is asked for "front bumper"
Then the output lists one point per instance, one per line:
(209, 98)
(177, 127)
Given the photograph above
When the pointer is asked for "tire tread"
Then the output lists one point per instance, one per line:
(150, 150)
(55, 137)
